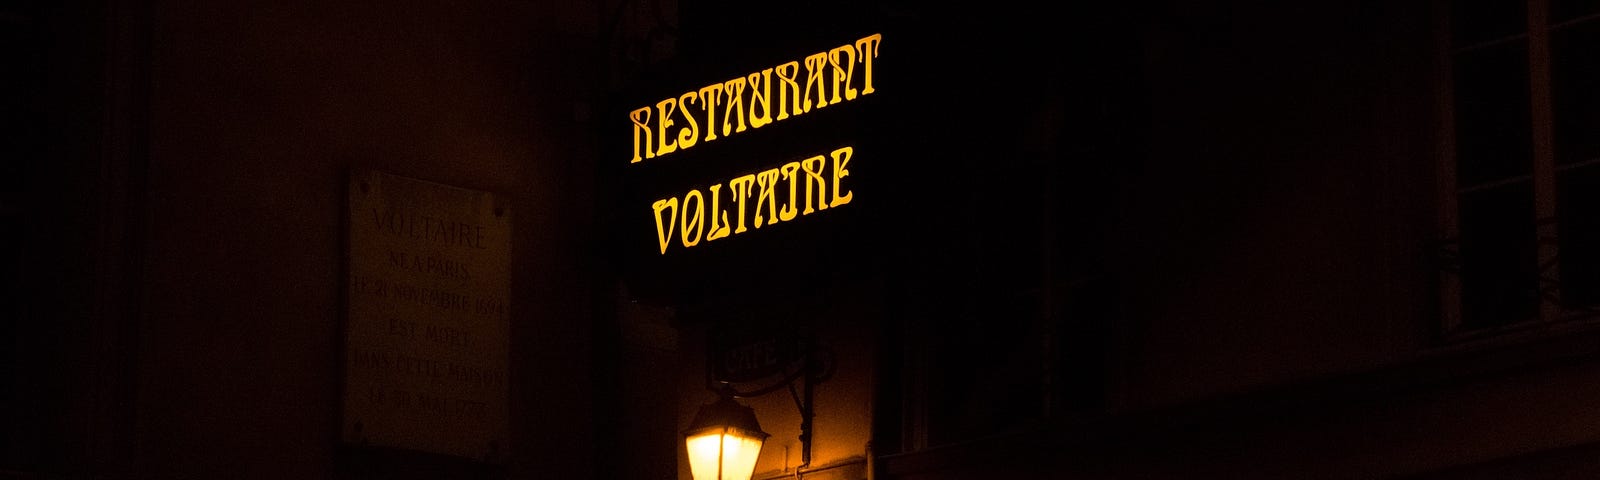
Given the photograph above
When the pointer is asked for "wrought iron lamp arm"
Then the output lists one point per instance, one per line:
(817, 366)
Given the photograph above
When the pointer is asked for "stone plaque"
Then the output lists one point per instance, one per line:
(427, 326)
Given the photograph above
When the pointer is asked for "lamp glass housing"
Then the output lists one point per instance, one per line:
(724, 441)
(734, 448)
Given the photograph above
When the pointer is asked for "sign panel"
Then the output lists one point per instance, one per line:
(772, 193)
(758, 181)
(427, 325)
(745, 353)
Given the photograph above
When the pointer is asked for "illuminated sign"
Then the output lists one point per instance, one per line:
(770, 196)
(767, 187)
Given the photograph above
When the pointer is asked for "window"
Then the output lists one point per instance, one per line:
(19, 46)
(1520, 177)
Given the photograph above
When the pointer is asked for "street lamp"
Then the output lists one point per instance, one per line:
(724, 440)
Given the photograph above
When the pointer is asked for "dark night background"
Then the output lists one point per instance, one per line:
(1148, 239)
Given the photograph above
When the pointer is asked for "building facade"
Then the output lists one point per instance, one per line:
(1220, 239)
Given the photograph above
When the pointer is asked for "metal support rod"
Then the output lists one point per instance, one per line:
(806, 413)
(804, 404)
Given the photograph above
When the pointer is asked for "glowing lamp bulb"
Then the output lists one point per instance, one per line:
(724, 441)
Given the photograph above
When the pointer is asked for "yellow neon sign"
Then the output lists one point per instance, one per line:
(772, 196)
(830, 78)
(816, 177)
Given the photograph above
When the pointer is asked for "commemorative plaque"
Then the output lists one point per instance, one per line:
(427, 321)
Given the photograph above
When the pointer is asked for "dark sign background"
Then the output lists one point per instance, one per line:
(938, 147)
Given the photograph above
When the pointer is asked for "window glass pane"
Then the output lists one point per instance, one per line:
(1011, 246)
(19, 81)
(1498, 272)
(989, 375)
(10, 313)
(1578, 208)
(1475, 21)
(1493, 140)
(1575, 92)
(1563, 10)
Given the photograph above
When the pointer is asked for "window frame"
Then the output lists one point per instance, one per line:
(1549, 313)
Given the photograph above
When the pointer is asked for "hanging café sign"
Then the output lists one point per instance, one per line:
(724, 109)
